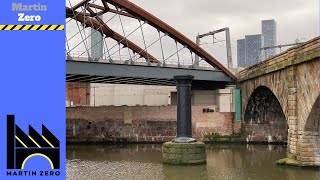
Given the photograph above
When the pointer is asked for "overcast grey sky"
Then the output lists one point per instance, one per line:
(295, 18)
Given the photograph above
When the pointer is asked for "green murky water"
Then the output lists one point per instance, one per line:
(144, 162)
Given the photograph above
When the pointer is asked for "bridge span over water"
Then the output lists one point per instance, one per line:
(105, 31)
(98, 72)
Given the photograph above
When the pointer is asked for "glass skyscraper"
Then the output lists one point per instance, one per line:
(96, 44)
(269, 33)
(253, 44)
(241, 52)
(249, 49)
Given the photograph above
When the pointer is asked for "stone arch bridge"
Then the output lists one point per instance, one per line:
(280, 101)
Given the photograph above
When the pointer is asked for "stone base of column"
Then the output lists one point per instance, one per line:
(291, 160)
(184, 140)
(184, 153)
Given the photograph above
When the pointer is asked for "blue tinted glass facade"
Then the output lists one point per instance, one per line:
(253, 44)
(241, 52)
(269, 33)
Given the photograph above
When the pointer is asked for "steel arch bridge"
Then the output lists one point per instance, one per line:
(133, 47)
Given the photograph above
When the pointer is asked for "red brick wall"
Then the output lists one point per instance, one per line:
(143, 123)
(79, 93)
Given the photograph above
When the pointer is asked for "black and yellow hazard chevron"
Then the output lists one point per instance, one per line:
(45, 27)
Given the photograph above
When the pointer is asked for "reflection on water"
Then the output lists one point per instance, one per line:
(144, 162)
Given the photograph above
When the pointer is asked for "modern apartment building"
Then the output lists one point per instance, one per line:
(269, 33)
(249, 49)
(96, 44)
(241, 52)
(253, 45)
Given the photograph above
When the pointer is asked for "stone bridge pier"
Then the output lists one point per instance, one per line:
(280, 102)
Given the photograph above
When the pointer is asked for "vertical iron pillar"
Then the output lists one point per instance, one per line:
(184, 125)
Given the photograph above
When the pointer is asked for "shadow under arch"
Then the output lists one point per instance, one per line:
(311, 135)
(313, 120)
(264, 119)
(37, 154)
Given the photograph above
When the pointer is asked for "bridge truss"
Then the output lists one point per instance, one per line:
(131, 36)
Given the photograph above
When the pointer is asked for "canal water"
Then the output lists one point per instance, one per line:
(144, 162)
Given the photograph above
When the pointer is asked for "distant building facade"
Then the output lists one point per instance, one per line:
(94, 94)
(253, 45)
(269, 33)
(96, 44)
(241, 52)
(249, 49)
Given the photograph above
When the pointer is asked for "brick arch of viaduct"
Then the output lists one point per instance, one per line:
(296, 85)
(276, 82)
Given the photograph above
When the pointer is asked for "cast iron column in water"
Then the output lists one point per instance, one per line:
(184, 129)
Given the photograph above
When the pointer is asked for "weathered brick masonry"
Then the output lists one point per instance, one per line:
(293, 77)
(142, 123)
(78, 93)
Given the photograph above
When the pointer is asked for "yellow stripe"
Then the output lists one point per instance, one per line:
(34, 142)
(44, 27)
(37, 154)
(47, 141)
(35, 27)
(21, 142)
(26, 27)
(8, 27)
(52, 27)
(17, 27)
(61, 27)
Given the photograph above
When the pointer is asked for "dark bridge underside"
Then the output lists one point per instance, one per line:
(95, 72)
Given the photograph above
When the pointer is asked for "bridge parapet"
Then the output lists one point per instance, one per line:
(170, 64)
(293, 56)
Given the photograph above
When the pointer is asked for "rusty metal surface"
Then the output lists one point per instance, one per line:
(105, 8)
(99, 25)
